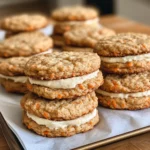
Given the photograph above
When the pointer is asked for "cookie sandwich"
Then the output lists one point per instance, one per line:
(130, 91)
(54, 118)
(63, 74)
(68, 18)
(12, 75)
(84, 39)
(23, 23)
(124, 53)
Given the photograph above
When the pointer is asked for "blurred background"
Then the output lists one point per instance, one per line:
(138, 10)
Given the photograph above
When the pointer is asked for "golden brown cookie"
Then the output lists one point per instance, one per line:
(125, 91)
(24, 22)
(86, 37)
(124, 53)
(25, 44)
(59, 109)
(65, 130)
(13, 66)
(74, 13)
(62, 65)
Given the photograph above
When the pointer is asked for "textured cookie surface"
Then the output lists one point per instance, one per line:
(14, 87)
(123, 44)
(77, 49)
(86, 37)
(25, 44)
(127, 83)
(13, 66)
(59, 109)
(61, 65)
(77, 13)
(67, 131)
(130, 103)
(80, 89)
(126, 68)
(24, 22)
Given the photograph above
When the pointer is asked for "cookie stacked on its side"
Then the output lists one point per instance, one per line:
(84, 39)
(62, 101)
(68, 18)
(23, 23)
(15, 52)
(127, 57)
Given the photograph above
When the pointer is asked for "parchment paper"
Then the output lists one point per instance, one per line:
(113, 122)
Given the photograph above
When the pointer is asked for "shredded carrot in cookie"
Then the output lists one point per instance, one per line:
(115, 69)
(108, 103)
(46, 115)
(114, 104)
(46, 132)
(29, 86)
(143, 45)
(59, 96)
(122, 105)
(129, 64)
(37, 105)
(90, 86)
(81, 86)
(67, 28)
(51, 75)
(29, 127)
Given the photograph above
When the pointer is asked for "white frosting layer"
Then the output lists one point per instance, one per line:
(123, 95)
(64, 83)
(145, 57)
(62, 124)
(90, 21)
(21, 79)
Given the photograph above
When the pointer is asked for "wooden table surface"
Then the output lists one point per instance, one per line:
(140, 142)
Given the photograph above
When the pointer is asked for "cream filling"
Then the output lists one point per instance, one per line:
(88, 22)
(63, 124)
(122, 95)
(21, 79)
(145, 57)
(64, 83)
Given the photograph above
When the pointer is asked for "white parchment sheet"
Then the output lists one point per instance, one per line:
(113, 122)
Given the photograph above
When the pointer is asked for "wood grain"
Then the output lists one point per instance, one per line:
(8, 135)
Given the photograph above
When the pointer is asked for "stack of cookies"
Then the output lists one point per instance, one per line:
(23, 23)
(84, 39)
(127, 57)
(68, 18)
(14, 53)
(62, 101)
